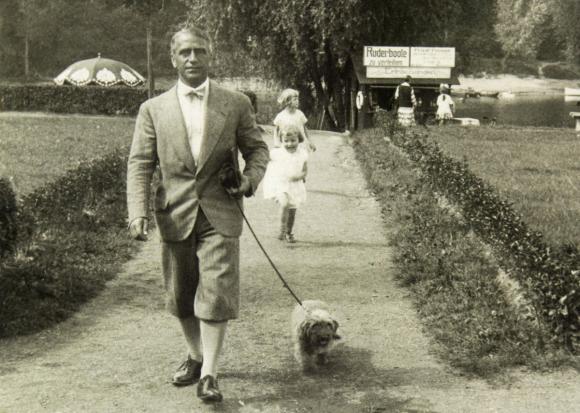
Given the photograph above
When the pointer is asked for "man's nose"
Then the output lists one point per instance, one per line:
(192, 56)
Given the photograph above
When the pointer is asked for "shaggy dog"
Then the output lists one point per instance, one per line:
(313, 332)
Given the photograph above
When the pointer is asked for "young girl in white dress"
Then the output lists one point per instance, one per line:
(445, 105)
(289, 100)
(285, 178)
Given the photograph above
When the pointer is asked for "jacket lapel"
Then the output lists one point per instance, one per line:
(215, 118)
(176, 124)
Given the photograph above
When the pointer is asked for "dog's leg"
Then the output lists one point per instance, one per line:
(322, 359)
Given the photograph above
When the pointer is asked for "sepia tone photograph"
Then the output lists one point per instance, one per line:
(267, 206)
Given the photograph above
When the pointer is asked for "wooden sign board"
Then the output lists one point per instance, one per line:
(432, 57)
(387, 56)
(416, 72)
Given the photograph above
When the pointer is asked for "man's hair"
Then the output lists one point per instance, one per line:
(190, 29)
(408, 78)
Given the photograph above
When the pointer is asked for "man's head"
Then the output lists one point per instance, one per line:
(408, 79)
(190, 55)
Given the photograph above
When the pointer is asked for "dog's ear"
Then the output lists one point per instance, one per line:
(334, 325)
(336, 336)
(305, 327)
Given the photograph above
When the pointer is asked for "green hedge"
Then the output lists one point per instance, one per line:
(72, 239)
(550, 277)
(8, 227)
(556, 71)
(72, 99)
(94, 100)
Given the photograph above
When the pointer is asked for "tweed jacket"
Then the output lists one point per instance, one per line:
(160, 140)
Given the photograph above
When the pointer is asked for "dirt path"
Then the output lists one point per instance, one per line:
(118, 353)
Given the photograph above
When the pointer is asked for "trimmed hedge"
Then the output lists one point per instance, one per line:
(8, 227)
(94, 100)
(72, 99)
(551, 278)
(556, 71)
(72, 238)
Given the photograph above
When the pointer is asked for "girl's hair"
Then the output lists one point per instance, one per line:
(290, 129)
(286, 95)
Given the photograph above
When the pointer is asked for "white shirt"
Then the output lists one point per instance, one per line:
(194, 109)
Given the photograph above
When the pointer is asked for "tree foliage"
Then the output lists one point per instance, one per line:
(521, 26)
(306, 43)
(64, 31)
(530, 28)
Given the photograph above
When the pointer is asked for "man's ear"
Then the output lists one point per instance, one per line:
(173, 62)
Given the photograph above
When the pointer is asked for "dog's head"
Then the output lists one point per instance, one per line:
(319, 332)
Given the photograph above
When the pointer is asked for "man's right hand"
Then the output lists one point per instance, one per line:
(138, 228)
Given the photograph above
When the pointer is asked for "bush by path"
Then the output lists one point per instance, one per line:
(72, 239)
(450, 271)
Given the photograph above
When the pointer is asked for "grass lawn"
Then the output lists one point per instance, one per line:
(537, 169)
(36, 148)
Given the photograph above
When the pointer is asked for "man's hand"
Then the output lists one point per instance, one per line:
(241, 190)
(138, 229)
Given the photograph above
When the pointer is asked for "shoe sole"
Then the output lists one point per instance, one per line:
(184, 383)
(214, 398)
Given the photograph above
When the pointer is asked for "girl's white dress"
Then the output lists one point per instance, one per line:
(444, 107)
(282, 166)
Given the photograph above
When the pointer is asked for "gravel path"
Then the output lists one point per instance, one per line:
(117, 354)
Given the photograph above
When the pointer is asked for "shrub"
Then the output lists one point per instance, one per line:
(8, 228)
(551, 280)
(521, 67)
(447, 268)
(556, 71)
(72, 99)
(73, 239)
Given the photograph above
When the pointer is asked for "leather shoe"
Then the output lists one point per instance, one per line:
(188, 373)
(208, 391)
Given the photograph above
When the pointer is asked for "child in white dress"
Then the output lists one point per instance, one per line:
(290, 114)
(445, 106)
(285, 177)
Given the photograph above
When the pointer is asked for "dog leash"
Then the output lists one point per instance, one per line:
(267, 256)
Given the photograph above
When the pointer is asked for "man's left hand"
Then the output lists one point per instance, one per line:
(241, 190)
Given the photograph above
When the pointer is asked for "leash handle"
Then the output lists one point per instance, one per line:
(266, 254)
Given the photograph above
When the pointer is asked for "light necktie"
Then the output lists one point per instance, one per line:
(195, 94)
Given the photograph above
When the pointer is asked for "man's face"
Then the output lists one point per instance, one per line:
(191, 58)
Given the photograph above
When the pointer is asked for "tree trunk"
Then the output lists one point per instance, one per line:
(150, 75)
(26, 55)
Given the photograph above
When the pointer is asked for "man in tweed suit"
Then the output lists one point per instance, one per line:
(189, 132)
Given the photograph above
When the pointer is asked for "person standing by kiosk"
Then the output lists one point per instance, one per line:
(406, 102)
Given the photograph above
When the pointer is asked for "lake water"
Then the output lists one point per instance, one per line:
(522, 110)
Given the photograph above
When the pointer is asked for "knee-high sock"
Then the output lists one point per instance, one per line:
(191, 332)
(291, 218)
(283, 219)
(212, 337)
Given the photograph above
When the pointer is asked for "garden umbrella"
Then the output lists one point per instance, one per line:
(100, 71)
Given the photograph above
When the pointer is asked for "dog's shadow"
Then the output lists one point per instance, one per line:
(348, 367)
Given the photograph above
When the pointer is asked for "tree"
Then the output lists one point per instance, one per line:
(521, 26)
(306, 43)
(9, 16)
(148, 8)
(566, 14)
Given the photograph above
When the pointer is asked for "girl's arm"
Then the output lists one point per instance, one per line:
(311, 145)
(301, 176)
(276, 141)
